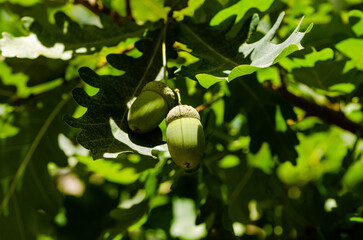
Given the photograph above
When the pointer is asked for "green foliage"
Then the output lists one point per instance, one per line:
(30, 199)
(110, 101)
(264, 109)
(65, 37)
(263, 54)
(283, 149)
(240, 9)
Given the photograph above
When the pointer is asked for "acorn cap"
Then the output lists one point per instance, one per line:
(162, 89)
(181, 111)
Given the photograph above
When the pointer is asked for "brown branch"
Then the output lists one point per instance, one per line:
(208, 104)
(326, 114)
(128, 10)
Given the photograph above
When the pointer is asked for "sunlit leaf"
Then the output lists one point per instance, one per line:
(22, 2)
(263, 53)
(144, 10)
(240, 9)
(30, 47)
(357, 27)
(120, 171)
(352, 48)
(352, 178)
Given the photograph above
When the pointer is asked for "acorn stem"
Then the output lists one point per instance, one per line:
(177, 91)
(163, 48)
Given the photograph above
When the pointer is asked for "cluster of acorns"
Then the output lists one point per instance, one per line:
(184, 131)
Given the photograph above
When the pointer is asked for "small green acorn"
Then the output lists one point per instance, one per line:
(185, 136)
(150, 107)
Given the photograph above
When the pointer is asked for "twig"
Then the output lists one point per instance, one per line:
(326, 114)
(128, 10)
(208, 104)
(164, 50)
(311, 108)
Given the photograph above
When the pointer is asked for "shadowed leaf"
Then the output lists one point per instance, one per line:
(112, 98)
(66, 38)
(34, 202)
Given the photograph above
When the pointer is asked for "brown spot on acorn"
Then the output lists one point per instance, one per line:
(136, 130)
(185, 136)
(186, 165)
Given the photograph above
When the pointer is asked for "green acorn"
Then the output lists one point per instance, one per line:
(150, 107)
(185, 136)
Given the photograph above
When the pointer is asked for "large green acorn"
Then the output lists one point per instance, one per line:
(185, 136)
(150, 107)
